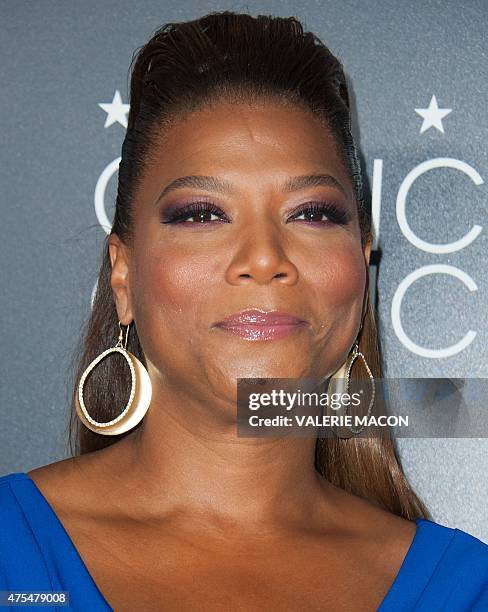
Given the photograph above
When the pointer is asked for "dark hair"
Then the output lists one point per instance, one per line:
(186, 66)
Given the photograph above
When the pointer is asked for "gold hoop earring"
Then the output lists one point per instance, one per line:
(340, 384)
(139, 399)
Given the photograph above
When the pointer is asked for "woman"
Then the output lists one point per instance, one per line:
(239, 195)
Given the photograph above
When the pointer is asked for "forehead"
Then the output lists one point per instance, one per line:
(246, 143)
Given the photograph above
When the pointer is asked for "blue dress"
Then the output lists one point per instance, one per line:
(444, 569)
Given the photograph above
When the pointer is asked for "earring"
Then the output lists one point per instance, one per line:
(139, 399)
(340, 384)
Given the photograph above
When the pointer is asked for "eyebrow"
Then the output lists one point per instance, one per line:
(211, 183)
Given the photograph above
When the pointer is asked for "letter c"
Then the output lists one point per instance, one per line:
(440, 162)
(99, 198)
(396, 306)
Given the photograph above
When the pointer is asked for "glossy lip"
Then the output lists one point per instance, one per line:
(258, 325)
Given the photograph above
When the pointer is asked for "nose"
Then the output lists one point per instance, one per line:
(261, 258)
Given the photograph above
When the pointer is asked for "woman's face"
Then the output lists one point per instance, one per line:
(258, 246)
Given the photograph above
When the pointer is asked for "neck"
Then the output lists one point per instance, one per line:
(196, 464)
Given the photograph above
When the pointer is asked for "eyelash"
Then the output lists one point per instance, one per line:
(336, 215)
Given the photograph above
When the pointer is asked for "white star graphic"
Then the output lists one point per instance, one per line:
(116, 111)
(432, 116)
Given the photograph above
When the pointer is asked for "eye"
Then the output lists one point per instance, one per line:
(201, 211)
(314, 212)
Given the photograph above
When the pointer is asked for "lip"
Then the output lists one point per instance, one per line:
(259, 325)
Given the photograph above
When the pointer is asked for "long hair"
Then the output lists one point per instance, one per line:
(184, 67)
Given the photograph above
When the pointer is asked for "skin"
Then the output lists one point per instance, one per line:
(177, 281)
(251, 508)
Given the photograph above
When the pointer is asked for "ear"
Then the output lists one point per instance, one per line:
(119, 280)
(367, 250)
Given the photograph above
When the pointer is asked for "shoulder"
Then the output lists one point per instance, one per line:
(54, 486)
(20, 500)
(466, 549)
(445, 569)
(7, 479)
(380, 538)
(22, 560)
(433, 561)
(53, 476)
(83, 487)
(455, 564)
(13, 490)
(370, 521)
(11, 486)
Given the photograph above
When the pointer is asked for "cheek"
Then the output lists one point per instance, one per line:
(170, 284)
(339, 283)
(168, 293)
(340, 277)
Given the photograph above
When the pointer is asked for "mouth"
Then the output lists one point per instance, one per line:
(259, 325)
